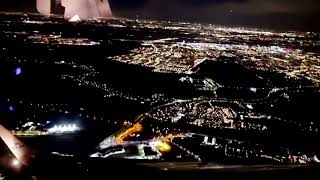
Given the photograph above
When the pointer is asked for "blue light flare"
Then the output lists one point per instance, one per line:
(11, 108)
(18, 71)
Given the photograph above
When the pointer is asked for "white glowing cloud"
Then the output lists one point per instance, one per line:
(86, 8)
(82, 8)
(44, 6)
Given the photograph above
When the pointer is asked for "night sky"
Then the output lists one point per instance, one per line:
(278, 14)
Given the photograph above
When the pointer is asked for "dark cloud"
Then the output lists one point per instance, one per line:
(127, 4)
(139, 4)
(18, 5)
(278, 14)
(201, 2)
(262, 13)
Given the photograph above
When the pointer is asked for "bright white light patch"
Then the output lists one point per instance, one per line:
(253, 89)
(67, 128)
(75, 18)
(15, 162)
(249, 106)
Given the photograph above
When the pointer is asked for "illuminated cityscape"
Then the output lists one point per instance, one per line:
(169, 96)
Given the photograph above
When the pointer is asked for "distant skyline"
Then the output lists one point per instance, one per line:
(278, 14)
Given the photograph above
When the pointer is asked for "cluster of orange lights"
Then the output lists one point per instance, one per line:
(171, 136)
(136, 128)
(162, 146)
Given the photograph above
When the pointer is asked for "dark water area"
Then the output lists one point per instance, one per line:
(45, 76)
(232, 74)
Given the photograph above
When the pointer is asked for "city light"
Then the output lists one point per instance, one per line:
(249, 106)
(253, 89)
(67, 128)
(162, 146)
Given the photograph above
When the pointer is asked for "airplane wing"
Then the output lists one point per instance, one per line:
(23, 153)
(83, 8)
